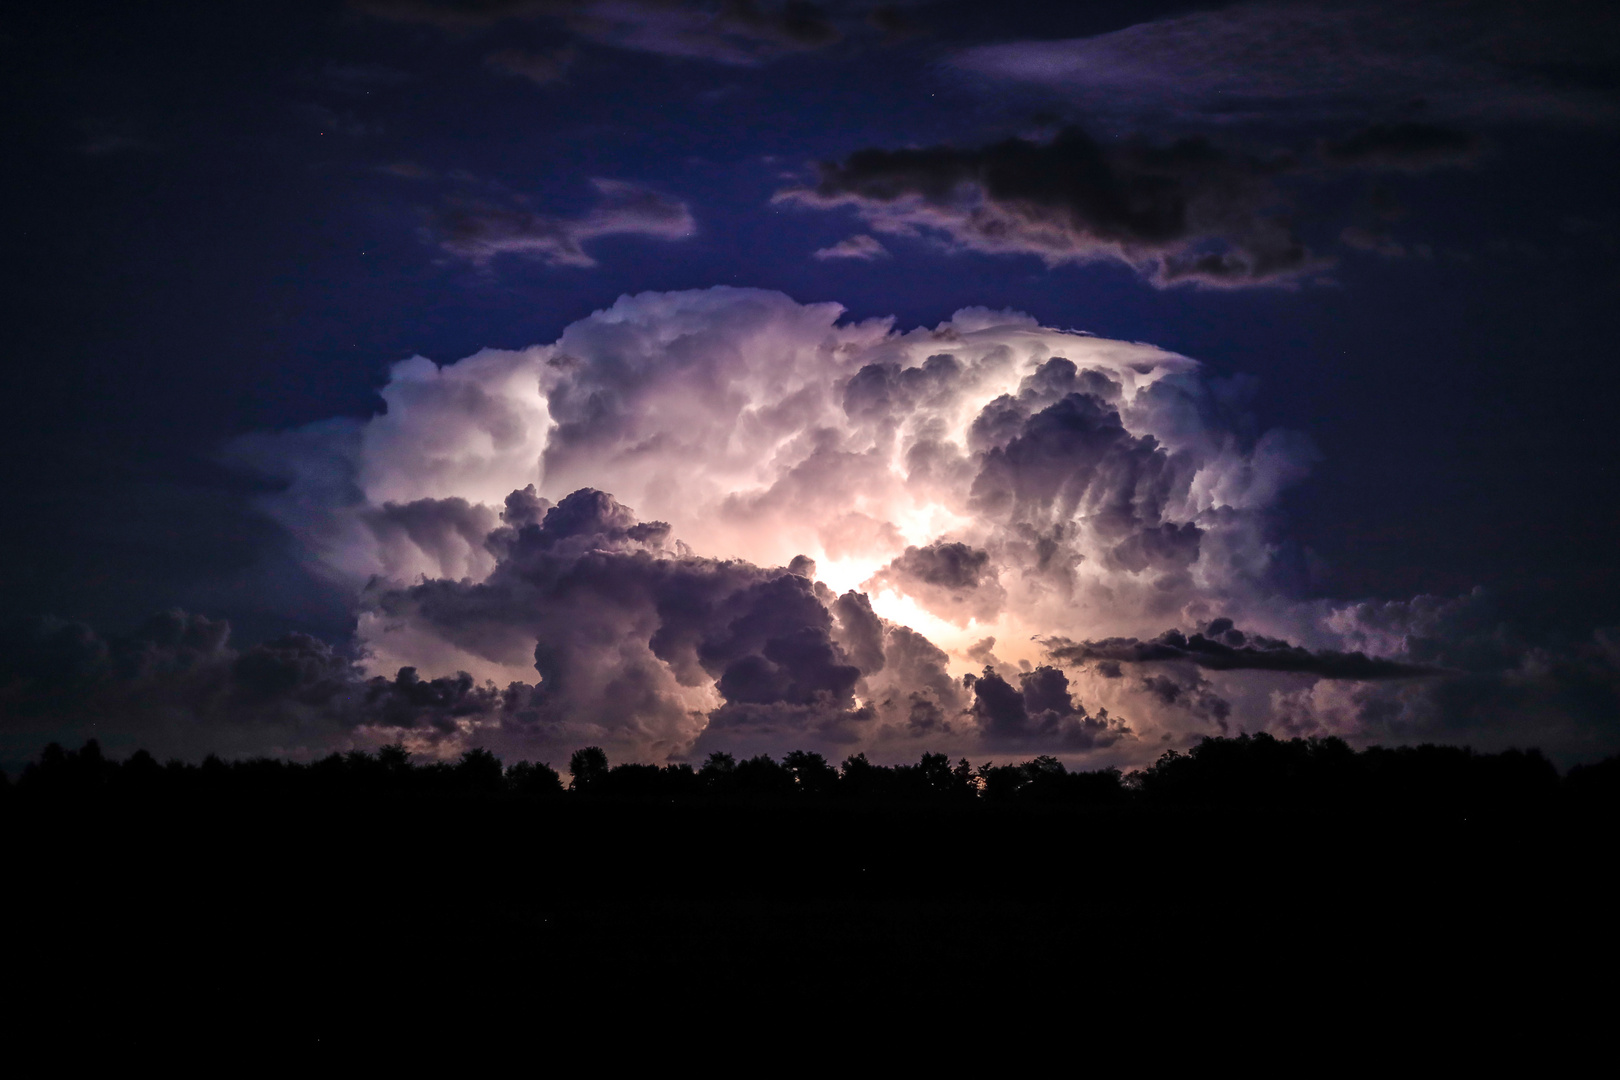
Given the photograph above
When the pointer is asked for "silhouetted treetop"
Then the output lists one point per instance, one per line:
(587, 766)
(1248, 771)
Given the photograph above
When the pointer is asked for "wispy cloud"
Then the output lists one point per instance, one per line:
(1187, 212)
(860, 246)
(479, 231)
(1267, 62)
(737, 32)
(1404, 147)
(538, 67)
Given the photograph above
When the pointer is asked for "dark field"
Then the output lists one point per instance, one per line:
(296, 913)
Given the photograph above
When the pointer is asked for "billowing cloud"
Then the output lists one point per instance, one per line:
(479, 230)
(725, 520)
(828, 519)
(1040, 711)
(952, 580)
(1186, 212)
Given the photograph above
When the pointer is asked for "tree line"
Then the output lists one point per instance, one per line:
(1258, 771)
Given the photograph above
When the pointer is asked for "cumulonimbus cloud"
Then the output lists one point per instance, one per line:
(724, 520)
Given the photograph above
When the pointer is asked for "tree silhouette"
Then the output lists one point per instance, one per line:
(533, 780)
(812, 776)
(718, 773)
(394, 758)
(1252, 772)
(762, 776)
(587, 766)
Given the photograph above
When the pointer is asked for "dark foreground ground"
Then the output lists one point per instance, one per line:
(324, 922)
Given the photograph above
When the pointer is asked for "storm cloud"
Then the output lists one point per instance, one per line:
(723, 520)
(828, 518)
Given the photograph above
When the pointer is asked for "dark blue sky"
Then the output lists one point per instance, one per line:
(232, 217)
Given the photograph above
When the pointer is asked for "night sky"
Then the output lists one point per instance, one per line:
(1352, 473)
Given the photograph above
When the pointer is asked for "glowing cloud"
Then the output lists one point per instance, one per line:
(930, 489)
(725, 520)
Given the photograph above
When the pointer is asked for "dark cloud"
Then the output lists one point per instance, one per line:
(295, 666)
(479, 230)
(627, 633)
(1404, 147)
(177, 686)
(1229, 649)
(1186, 212)
(1493, 687)
(1270, 63)
(540, 68)
(953, 580)
(1075, 458)
(1039, 709)
(525, 507)
(860, 631)
(776, 647)
(624, 635)
(915, 680)
(1382, 243)
(463, 13)
(1394, 87)
(880, 392)
(737, 32)
(894, 23)
(450, 533)
(1195, 696)
(946, 565)
(1164, 547)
